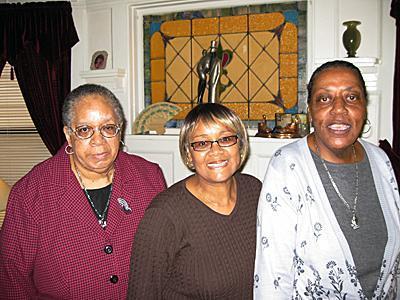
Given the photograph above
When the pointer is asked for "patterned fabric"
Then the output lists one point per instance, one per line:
(301, 251)
(51, 245)
(185, 250)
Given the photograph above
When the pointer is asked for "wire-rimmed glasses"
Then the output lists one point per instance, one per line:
(86, 132)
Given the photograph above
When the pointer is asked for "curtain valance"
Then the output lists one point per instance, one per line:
(46, 27)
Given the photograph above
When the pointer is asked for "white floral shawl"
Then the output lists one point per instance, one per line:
(301, 251)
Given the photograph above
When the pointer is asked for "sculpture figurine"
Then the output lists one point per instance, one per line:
(209, 64)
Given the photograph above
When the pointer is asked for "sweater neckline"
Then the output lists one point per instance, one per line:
(208, 209)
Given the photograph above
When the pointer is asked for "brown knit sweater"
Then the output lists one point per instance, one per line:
(185, 250)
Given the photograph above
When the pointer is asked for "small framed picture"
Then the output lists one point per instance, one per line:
(99, 60)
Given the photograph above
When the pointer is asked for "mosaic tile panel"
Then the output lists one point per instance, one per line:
(266, 74)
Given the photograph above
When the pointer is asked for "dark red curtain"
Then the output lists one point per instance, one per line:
(36, 40)
(395, 13)
(393, 157)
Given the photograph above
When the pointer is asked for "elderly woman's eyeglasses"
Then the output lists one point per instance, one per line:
(226, 141)
(86, 132)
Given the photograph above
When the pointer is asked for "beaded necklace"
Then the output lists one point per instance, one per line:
(354, 219)
(100, 216)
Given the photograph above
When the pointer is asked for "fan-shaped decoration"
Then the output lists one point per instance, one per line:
(154, 117)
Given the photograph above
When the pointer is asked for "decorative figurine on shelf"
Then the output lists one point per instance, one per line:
(263, 129)
(285, 126)
(303, 127)
(209, 64)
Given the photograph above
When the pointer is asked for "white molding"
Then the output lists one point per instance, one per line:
(114, 78)
(103, 73)
(369, 67)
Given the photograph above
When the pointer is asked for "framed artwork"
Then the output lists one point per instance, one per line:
(99, 60)
(265, 48)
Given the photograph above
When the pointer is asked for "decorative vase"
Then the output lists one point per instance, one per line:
(351, 37)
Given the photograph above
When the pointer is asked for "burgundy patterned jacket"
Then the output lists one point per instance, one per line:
(51, 245)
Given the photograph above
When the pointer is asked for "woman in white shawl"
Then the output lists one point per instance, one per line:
(328, 215)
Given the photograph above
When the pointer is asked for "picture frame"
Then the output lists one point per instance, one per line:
(99, 60)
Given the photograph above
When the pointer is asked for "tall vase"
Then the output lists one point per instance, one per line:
(351, 37)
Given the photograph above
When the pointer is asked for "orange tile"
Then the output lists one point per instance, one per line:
(264, 67)
(157, 91)
(180, 44)
(232, 94)
(236, 69)
(179, 96)
(273, 48)
(257, 110)
(289, 91)
(171, 86)
(289, 39)
(157, 49)
(236, 42)
(186, 107)
(273, 82)
(205, 26)
(240, 109)
(262, 95)
(269, 21)
(288, 64)
(233, 24)
(184, 94)
(243, 85)
(179, 69)
(254, 85)
(157, 69)
(176, 28)
(195, 83)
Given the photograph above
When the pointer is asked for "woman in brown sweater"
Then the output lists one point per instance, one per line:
(197, 239)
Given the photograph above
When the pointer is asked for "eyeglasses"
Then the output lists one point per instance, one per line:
(86, 132)
(226, 141)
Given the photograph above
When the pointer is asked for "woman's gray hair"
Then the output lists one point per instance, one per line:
(82, 91)
(211, 113)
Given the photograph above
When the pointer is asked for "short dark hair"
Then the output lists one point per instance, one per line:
(332, 65)
(76, 95)
(210, 113)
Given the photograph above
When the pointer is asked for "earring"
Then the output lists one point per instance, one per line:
(69, 150)
(124, 146)
(367, 124)
(189, 163)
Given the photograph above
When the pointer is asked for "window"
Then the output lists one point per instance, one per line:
(20, 145)
(263, 48)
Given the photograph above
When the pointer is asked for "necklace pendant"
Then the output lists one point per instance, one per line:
(103, 223)
(354, 222)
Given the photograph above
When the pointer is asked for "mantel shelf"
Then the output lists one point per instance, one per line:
(357, 61)
(114, 79)
(103, 73)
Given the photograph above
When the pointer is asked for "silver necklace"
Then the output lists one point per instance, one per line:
(100, 216)
(354, 220)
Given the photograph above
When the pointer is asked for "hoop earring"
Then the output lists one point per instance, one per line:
(69, 150)
(368, 124)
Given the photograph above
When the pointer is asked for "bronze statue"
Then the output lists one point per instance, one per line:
(209, 64)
